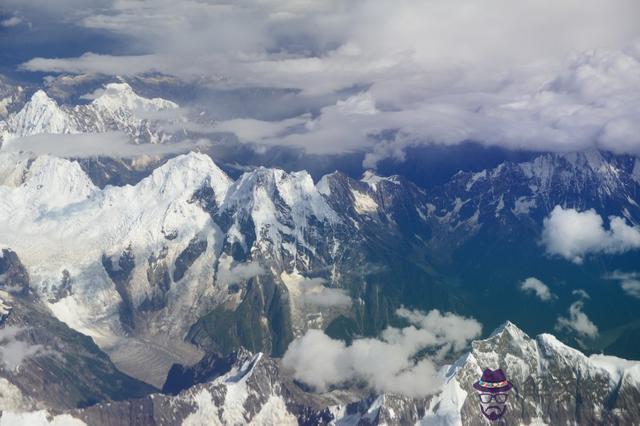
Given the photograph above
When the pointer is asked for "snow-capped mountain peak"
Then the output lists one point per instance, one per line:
(295, 190)
(117, 96)
(279, 210)
(373, 180)
(116, 107)
(57, 220)
(40, 115)
(189, 171)
(57, 182)
(40, 97)
(509, 329)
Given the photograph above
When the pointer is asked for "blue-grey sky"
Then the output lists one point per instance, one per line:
(28, 31)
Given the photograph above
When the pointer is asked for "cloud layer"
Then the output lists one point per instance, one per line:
(388, 363)
(573, 234)
(14, 351)
(312, 291)
(536, 287)
(83, 145)
(532, 74)
(11, 22)
(578, 321)
(629, 282)
(230, 272)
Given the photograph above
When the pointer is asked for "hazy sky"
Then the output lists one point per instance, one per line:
(533, 74)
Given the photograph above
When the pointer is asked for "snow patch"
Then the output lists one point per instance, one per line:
(614, 366)
(475, 178)
(237, 392)
(635, 174)
(500, 205)
(373, 180)
(444, 408)
(274, 413)
(206, 412)
(323, 186)
(5, 308)
(523, 205)
(11, 398)
(363, 203)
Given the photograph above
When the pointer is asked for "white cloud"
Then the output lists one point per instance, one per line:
(251, 130)
(230, 272)
(387, 363)
(629, 281)
(93, 63)
(112, 144)
(631, 287)
(13, 351)
(578, 321)
(573, 234)
(11, 22)
(315, 293)
(581, 293)
(533, 285)
(312, 291)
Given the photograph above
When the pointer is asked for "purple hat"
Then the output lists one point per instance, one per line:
(493, 381)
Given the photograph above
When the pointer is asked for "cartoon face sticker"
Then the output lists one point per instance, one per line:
(493, 392)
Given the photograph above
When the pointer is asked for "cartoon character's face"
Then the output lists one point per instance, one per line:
(493, 405)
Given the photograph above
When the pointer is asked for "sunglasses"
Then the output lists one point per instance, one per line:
(500, 398)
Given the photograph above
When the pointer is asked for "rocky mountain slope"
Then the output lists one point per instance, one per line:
(553, 384)
(44, 363)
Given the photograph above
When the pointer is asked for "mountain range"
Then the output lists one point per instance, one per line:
(553, 384)
(116, 107)
(187, 280)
